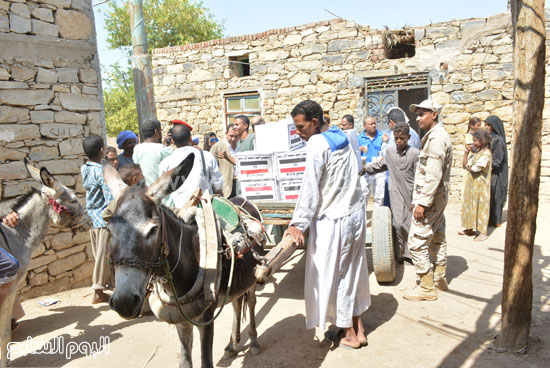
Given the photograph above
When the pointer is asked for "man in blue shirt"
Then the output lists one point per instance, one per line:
(370, 144)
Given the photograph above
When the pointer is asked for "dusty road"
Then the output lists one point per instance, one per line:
(453, 331)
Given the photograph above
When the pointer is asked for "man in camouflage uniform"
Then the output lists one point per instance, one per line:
(430, 195)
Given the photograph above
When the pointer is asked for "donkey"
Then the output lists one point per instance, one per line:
(54, 204)
(138, 227)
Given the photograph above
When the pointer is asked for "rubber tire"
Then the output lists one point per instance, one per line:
(382, 245)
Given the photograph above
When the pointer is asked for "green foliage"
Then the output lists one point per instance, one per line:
(120, 101)
(167, 22)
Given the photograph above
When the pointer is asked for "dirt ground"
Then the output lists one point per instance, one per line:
(453, 331)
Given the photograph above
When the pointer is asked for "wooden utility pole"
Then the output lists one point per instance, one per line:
(529, 73)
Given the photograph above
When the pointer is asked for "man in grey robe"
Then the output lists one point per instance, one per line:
(400, 161)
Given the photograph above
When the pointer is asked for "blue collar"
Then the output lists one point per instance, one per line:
(336, 138)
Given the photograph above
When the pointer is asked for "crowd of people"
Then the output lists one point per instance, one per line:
(401, 169)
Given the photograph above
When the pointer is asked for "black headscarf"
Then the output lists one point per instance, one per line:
(497, 125)
(498, 130)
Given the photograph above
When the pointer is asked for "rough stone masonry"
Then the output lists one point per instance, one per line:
(50, 99)
(468, 62)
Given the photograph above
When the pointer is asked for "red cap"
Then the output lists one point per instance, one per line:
(181, 122)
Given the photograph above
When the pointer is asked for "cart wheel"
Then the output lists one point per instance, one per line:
(382, 245)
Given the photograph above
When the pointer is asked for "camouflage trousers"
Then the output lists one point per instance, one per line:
(427, 239)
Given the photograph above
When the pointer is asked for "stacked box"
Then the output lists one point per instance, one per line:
(289, 189)
(290, 165)
(260, 189)
(254, 166)
(281, 136)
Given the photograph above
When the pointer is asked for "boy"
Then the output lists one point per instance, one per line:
(400, 161)
(98, 196)
(130, 175)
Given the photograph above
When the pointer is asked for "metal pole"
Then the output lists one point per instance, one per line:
(141, 65)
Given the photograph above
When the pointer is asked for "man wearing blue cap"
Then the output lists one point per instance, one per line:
(126, 141)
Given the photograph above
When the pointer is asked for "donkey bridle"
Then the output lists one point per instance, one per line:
(155, 266)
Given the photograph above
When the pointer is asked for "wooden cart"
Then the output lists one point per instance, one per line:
(277, 215)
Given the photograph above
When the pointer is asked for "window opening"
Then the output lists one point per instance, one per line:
(240, 66)
(248, 104)
(399, 44)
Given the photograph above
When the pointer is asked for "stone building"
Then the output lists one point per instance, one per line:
(465, 65)
(50, 99)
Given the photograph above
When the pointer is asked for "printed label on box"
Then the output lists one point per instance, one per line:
(259, 189)
(291, 165)
(254, 166)
(290, 189)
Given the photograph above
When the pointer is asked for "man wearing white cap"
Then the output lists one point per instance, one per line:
(430, 195)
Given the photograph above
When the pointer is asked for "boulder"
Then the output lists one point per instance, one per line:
(19, 24)
(73, 25)
(12, 132)
(79, 102)
(59, 266)
(26, 97)
(9, 114)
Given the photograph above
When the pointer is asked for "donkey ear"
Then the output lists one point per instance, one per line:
(46, 178)
(35, 173)
(171, 180)
(112, 179)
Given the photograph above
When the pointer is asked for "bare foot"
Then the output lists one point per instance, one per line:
(481, 237)
(360, 331)
(350, 339)
(100, 297)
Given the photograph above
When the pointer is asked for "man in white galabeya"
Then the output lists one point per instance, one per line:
(331, 205)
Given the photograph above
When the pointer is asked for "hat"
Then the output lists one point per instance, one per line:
(181, 122)
(426, 104)
(195, 140)
(124, 136)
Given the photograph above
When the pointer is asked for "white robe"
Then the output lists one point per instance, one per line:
(331, 205)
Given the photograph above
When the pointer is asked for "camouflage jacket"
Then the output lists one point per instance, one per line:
(433, 172)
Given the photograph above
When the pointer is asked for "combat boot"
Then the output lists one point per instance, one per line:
(440, 281)
(426, 290)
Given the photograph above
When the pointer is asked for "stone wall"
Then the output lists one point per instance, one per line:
(50, 99)
(469, 63)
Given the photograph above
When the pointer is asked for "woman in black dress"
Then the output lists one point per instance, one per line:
(499, 173)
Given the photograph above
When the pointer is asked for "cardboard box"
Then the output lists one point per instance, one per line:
(254, 166)
(260, 189)
(281, 136)
(290, 165)
(289, 189)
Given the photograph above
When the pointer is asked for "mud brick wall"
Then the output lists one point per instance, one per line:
(469, 63)
(50, 99)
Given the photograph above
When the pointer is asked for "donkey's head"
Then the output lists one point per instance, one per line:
(65, 210)
(136, 229)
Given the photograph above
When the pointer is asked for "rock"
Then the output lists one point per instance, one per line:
(65, 166)
(42, 153)
(4, 75)
(19, 189)
(452, 87)
(73, 25)
(88, 75)
(11, 132)
(489, 94)
(22, 73)
(9, 114)
(461, 97)
(71, 250)
(9, 154)
(339, 45)
(92, 90)
(331, 77)
(60, 130)
(46, 76)
(44, 14)
(13, 170)
(299, 79)
(25, 97)
(199, 75)
(66, 239)
(78, 102)
(66, 264)
(84, 271)
(41, 261)
(474, 87)
(471, 25)
(272, 55)
(438, 32)
(13, 85)
(44, 28)
(20, 9)
(315, 48)
(38, 278)
(19, 24)
(4, 23)
(38, 251)
(451, 44)
(44, 116)
(306, 65)
(292, 39)
(67, 75)
(4, 5)
(69, 117)
(71, 147)
(456, 118)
